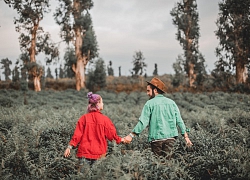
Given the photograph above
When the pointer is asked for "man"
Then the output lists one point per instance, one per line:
(162, 116)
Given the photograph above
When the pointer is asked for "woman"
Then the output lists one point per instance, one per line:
(92, 131)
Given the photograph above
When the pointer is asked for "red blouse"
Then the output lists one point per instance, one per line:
(91, 133)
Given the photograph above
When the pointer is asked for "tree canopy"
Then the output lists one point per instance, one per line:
(234, 41)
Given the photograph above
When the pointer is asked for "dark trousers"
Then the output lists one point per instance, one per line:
(86, 160)
(85, 164)
(163, 147)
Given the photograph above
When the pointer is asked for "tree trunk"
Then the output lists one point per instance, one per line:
(36, 74)
(191, 75)
(82, 59)
(189, 55)
(79, 70)
(240, 62)
(245, 74)
(240, 70)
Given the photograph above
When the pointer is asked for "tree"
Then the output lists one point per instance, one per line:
(32, 38)
(56, 72)
(138, 63)
(185, 17)
(110, 69)
(155, 73)
(69, 58)
(234, 37)
(178, 66)
(97, 76)
(49, 75)
(119, 71)
(6, 66)
(77, 29)
(15, 74)
(61, 73)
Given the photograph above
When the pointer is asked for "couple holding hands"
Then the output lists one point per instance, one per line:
(159, 113)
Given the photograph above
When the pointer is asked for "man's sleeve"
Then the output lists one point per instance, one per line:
(143, 120)
(179, 120)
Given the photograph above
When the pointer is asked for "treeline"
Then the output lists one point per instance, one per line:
(77, 31)
(131, 84)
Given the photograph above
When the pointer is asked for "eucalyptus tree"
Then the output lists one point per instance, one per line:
(186, 17)
(33, 39)
(76, 29)
(234, 37)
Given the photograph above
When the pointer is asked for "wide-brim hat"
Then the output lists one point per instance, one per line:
(157, 83)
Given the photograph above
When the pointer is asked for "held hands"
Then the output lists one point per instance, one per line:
(127, 139)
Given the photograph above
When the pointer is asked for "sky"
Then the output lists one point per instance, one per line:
(122, 28)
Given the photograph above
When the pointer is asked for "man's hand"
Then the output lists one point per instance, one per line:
(127, 139)
(188, 142)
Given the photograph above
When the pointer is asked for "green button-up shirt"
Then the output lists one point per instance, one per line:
(163, 116)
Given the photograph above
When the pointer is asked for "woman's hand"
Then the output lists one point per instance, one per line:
(67, 152)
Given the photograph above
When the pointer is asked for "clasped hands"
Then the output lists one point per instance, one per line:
(127, 139)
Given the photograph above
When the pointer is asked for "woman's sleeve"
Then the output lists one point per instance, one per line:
(111, 133)
(76, 138)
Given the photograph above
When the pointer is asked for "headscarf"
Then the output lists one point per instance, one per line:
(93, 100)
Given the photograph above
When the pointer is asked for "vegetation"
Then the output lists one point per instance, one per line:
(79, 33)
(97, 76)
(234, 42)
(32, 38)
(33, 137)
(186, 17)
(231, 72)
(110, 69)
(139, 64)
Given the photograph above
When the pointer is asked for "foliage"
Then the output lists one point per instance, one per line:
(15, 74)
(155, 73)
(6, 66)
(77, 31)
(179, 77)
(110, 69)
(33, 137)
(49, 75)
(234, 42)
(138, 63)
(186, 17)
(97, 76)
(32, 38)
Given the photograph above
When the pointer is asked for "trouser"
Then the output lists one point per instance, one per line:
(163, 147)
(84, 164)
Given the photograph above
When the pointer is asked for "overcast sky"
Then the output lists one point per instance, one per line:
(124, 27)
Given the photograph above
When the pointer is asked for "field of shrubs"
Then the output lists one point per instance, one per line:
(34, 135)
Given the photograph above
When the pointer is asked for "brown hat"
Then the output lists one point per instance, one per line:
(158, 84)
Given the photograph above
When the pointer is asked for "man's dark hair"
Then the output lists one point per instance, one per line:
(158, 90)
